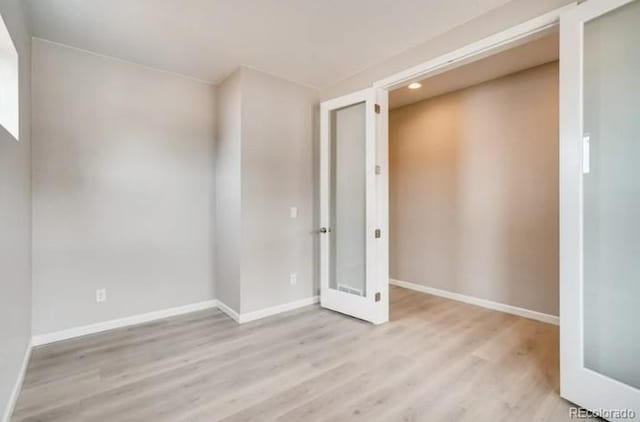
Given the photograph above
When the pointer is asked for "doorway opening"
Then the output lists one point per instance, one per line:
(474, 213)
(362, 120)
(473, 181)
(484, 210)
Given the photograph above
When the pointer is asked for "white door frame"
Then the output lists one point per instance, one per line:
(482, 48)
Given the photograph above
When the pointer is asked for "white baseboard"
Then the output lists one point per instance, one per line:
(13, 399)
(230, 312)
(496, 306)
(84, 330)
(274, 310)
(120, 323)
(241, 318)
(42, 339)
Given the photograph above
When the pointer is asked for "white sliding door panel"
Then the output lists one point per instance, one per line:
(600, 202)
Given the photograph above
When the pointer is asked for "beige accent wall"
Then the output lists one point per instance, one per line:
(474, 191)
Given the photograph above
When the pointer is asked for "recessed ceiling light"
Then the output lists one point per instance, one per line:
(415, 85)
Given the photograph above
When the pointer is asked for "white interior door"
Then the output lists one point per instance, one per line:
(353, 233)
(600, 206)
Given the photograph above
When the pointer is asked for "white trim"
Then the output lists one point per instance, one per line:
(229, 311)
(274, 310)
(382, 205)
(13, 399)
(84, 330)
(483, 47)
(496, 306)
(346, 100)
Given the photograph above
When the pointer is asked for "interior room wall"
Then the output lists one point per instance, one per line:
(266, 162)
(499, 19)
(228, 191)
(15, 218)
(474, 191)
(123, 188)
(277, 174)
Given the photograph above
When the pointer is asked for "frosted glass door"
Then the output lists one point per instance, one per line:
(611, 196)
(600, 206)
(353, 272)
(348, 200)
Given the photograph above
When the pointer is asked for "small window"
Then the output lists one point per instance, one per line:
(9, 99)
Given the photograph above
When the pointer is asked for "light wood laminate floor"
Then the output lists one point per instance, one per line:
(436, 360)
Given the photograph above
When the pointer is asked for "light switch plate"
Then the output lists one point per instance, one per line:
(101, 295)
(293, 212)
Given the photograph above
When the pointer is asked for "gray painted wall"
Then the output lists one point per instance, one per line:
(265, 166)
(496, 20)
(277, 174)
(15, 217)
(228, 191)
(474, 191)
(123, 188)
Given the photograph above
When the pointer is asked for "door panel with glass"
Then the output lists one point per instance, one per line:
(600, 203)
(352, 282)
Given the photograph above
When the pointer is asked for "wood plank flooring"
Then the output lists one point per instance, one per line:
(436, 360)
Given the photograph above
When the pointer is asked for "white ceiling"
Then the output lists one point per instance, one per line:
(315, 42)
(533, 53)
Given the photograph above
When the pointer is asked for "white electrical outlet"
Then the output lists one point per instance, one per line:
(293, 279)
(293, 212)
(101, 295)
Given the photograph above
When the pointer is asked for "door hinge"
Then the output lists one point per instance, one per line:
(376, 108)
(378, 233)
(377, 297)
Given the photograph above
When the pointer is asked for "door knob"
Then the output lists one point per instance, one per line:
(324, 230)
